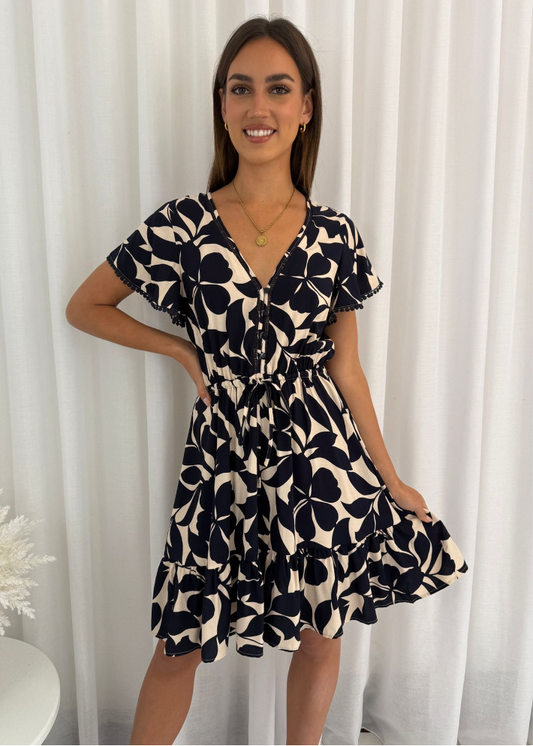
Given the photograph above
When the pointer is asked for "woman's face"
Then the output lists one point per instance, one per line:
(253, 102)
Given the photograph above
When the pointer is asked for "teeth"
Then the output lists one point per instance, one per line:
(258, 133)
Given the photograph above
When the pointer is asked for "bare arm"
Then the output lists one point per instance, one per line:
(345, 369)
(92, 309)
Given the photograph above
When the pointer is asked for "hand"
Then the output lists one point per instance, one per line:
(410, 499)
(190, 362)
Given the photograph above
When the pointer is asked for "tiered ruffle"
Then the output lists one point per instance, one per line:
(272, 599)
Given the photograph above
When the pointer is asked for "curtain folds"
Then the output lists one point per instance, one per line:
(427, 145)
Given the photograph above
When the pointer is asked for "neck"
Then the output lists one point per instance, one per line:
(262, 186)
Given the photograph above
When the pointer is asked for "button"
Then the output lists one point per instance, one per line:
(263, 355)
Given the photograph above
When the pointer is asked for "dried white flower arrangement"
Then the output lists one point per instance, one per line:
(14, 562)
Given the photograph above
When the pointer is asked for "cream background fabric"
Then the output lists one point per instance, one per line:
(427, 145)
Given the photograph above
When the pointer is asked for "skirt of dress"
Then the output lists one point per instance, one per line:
(209, 587)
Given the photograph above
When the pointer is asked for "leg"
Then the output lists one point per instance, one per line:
(311, 684)
(165, 697)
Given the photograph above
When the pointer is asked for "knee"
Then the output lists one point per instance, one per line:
(169, 664)
(317, 646)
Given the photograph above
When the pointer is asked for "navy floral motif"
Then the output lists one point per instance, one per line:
(281, 521)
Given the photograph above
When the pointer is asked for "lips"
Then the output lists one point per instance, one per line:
(262, 138)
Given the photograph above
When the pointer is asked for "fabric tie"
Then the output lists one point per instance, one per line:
(267, 380)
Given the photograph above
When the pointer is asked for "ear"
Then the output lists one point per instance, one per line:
(222, 103)
(308, 108)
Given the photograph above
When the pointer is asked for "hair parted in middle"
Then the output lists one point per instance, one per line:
(304, 154)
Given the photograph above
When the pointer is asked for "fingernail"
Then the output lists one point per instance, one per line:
(206, 400)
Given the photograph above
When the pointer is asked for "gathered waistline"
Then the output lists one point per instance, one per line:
(261, 377)
(255, 380)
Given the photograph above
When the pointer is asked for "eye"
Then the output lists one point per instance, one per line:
(277, 87)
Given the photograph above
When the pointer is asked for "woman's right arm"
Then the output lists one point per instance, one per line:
(93, 310)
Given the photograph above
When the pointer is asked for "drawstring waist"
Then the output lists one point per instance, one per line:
(269, 381)
(266, 380)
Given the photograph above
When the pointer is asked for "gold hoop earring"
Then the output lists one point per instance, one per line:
(226, 125)
(302, 127)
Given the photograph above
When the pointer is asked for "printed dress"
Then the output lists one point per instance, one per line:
(281, 521)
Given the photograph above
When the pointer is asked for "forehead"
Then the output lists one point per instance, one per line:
(261, 58)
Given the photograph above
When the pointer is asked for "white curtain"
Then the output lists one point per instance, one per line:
(427, 145)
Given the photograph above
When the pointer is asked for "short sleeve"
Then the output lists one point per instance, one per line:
(356, 278)
(148, 261)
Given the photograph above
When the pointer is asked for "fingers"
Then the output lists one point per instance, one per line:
(204, 396)
(422, 513)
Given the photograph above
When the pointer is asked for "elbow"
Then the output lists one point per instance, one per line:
(72, 313)
(68, 314)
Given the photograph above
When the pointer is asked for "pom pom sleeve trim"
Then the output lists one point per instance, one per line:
(332, 318)
(179, 317)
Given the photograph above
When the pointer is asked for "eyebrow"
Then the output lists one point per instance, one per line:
(268, 79)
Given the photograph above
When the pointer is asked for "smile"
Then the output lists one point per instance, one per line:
(259, 135)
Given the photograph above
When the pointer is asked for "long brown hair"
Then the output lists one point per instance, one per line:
(304, 152)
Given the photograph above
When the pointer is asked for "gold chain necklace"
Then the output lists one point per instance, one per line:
(261, 240)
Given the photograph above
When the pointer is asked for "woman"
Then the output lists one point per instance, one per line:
(289, 518)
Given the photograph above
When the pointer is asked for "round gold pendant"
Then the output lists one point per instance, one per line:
(261, 240)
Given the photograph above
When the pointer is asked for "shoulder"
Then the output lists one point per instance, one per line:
(187, 214)
(328, 212)
(337, 222)
(181, 205)
(190, 206)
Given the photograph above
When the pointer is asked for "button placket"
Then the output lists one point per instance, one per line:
(261, 350)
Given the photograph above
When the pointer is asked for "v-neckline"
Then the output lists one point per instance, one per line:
(233, 246)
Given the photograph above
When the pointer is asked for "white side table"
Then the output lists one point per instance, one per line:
(29, 693)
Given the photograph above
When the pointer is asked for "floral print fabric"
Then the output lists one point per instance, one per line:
(281, 521)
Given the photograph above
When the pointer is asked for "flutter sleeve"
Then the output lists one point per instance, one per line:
(148, 261)
(356, 278)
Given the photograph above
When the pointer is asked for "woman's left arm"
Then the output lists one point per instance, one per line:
(345, 369)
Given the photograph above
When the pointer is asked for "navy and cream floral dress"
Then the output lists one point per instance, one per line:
(281, 521)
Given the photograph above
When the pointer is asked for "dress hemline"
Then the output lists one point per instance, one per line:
(377, 604)
(422, 591)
